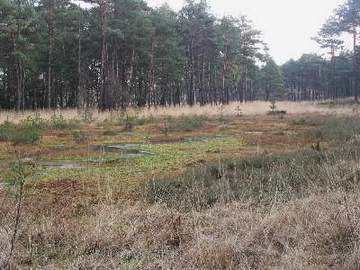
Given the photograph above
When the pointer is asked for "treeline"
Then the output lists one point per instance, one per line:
(118, 53)
(113, 54)
(313, 77)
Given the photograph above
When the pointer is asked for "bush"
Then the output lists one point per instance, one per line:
(6, 131)
(28, 132)
(26, 135)
(34, 122)
(59, 122)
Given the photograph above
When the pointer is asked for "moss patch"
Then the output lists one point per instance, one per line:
(166, 159)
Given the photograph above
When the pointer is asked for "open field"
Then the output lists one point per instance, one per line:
(190, 188)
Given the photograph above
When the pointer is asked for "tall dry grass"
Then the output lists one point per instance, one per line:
(317, 232)
(252, 108)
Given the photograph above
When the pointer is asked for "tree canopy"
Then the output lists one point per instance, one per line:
(120, 53)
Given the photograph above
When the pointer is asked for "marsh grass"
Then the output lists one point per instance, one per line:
(298, 210)
(262, 180)
(337, 129)
(267, 178)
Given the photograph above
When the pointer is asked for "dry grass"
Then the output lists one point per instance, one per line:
(318, 232)
(297, 214)
(318, 228)
(253, 108)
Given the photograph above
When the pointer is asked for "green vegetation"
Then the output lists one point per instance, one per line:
(227, 185)
(338, 129)
(25, 135)
(270, 81)
(129, 120)
(263, 180)
(187, 123)
(6, 131)
(59, 122)
(129, 173)
(35, 122)
(27, 132)
(195, 193)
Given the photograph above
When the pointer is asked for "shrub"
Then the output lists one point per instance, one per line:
(6, 131)
(26, 135)
(59, 122)
(28, 132)
(34, 122)
(238, 111)
(274, 110)
(131, 120)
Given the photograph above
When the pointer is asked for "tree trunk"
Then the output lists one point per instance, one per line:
(355, 75)
(18, 65)
(80, 94)
(152, 74)
(50, 51)
(103, 11)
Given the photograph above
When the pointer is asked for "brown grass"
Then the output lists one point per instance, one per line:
(318, 232)
(252, 108)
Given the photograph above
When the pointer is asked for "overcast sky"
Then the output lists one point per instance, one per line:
(287, 25)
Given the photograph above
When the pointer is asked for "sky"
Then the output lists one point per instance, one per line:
(287, 25)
